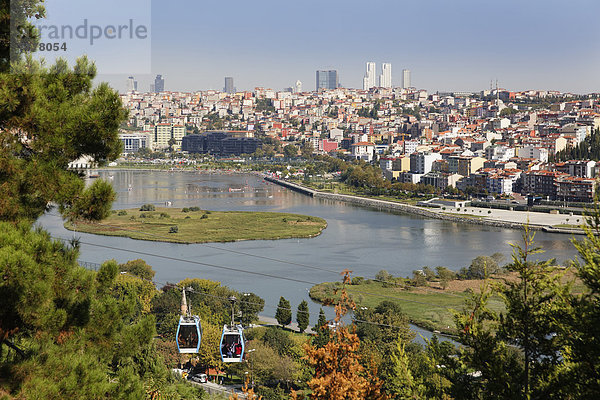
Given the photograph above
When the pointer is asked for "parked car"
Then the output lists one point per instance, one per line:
(198, 378)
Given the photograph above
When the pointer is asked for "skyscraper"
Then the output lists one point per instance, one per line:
(229, 88)
(298, 87)
(369, 79)
(159, 84)
(405, 78)
(327, 79)
(385, 79)
(131, 84)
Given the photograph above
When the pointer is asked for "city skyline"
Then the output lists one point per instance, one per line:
(545, 45)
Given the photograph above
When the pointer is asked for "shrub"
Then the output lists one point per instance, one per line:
(285, 220)
(122, 212)
(185, 209)
(357, 280)
(174, 229)
(164, 215)
(207, 212)
(489, 211)
(148, 207)
(188, 217)
(194, 208)
(204, 216)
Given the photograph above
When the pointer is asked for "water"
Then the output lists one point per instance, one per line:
(360, 239)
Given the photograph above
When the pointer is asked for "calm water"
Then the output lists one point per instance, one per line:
(360, 239)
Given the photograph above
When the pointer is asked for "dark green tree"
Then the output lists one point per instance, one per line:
(250, 306)
(322, 330)
(582, 320)
(138, 268)
(50, 117)
(284, 312)
(290, 151)
(302, 316)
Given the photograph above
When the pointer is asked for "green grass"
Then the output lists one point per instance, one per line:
(204, 226)
(428, 309)
(568, 226)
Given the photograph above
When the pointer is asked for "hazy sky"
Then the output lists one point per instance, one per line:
(447, 44)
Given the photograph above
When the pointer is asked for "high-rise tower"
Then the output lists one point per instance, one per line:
(385, 79)
(406, 78)
(327, 79)
(369, 79)
(159, 84)
(229, 88)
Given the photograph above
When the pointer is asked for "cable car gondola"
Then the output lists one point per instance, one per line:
(189, 330)
(232, 344)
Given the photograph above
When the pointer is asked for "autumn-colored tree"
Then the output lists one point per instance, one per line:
(249, 392)
(339, 373)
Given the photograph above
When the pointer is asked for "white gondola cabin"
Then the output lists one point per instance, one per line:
(189, 334)
(232, 344)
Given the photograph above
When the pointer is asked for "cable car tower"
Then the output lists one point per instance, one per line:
(189, 330)
(233, 344)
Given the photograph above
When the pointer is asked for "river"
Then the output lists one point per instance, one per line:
(360, 239)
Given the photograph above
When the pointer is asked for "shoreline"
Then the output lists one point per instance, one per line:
(425, 212)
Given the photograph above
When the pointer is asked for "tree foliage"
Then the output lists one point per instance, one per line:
(302, 316)
(284, 312)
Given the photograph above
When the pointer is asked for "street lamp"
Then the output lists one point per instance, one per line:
(250, 361)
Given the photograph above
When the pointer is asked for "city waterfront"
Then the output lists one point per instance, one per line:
(360, 239)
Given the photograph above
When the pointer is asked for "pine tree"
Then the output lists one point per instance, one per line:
(580, 331)
(302, 316)
(322, 330)
(284, 312)
(399, 382)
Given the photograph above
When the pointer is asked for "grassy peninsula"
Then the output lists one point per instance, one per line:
(193, 225)
(427, 307)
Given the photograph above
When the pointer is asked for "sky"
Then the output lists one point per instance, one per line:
(457, 45)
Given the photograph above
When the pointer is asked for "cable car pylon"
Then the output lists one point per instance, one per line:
(232, 344)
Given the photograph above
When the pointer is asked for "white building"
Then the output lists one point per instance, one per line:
(369, 79)
(385, 79)
(298, 87)
(421, 163)
(133, 142)
(363, 151)
(410, 146)
(539, 153)
(499, 153)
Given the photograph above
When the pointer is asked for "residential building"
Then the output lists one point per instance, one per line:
(298, 87)
(579, 168)
(385, 79)
(464, 165)
(541, 183)
(327, 79)
(406, 79)
(363, 151)
(369, 79)
(421, 163)
(440, 180)
(538, 153)
(571, 188)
